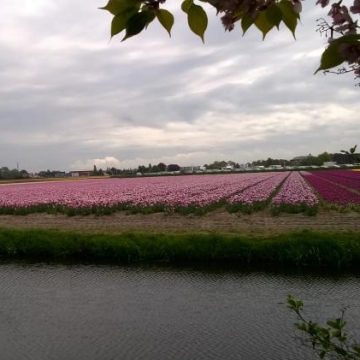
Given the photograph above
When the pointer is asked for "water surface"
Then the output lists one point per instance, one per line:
(57, 311)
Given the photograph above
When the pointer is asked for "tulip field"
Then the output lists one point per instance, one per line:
(245, 192)
(295, 196)
(337, 187)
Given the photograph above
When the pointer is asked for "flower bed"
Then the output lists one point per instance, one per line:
(349, 179)
(332, 193)
(245, 192)
(258, 196)
(295, 196)
(180, 193)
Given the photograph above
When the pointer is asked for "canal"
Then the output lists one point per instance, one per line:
(161, 312)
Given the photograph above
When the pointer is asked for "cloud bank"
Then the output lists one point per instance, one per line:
(71, 98)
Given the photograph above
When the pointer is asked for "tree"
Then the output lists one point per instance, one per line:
(173, 167)
(133, 16)
(329, 341)
(269, 162)
(162, 167)
(310, 160)
(24, 173)
(351, 153)
(112, 171)
(324, 157)
(4, 172)
(217, 165)
(155, 169)
(142, 169)
(15, 174)
(42, 174)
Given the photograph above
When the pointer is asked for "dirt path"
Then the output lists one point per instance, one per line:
(217, 221)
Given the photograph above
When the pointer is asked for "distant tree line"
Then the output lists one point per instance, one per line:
(150, 169)
(221, 164)
(344, 157)
(308, 160)
(6, 173)
(50, 173)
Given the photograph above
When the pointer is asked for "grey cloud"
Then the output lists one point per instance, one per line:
(68, 95)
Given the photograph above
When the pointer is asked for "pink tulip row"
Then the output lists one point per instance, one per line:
(331, 192)
(201, 191)
(295, 191)
(172, 192)
(260, 192)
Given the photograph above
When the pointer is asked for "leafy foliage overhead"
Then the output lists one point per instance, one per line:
(133, 16)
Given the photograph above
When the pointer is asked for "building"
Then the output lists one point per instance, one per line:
(81, 173)
(228, 167)
(190, 169)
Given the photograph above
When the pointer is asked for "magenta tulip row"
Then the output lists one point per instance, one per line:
(295, 191)
(330, 191)
(349, 179)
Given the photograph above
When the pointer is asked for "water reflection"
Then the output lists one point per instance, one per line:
(66, 311)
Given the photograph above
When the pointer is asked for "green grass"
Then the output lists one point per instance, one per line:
(108, 210)
(294, 209)
(303, 248)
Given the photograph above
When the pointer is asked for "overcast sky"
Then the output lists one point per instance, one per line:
(71, 98)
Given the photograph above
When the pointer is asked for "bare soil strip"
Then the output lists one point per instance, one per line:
(219, 221)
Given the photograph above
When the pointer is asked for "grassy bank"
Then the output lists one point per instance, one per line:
(297, 248)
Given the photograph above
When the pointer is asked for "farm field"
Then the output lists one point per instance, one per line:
(291, 192)
(270, 202)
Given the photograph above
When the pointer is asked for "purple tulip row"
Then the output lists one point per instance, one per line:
(295, 191)
(347, 178)
(331, 192)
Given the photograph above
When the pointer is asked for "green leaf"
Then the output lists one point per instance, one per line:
(289, 16)
(301, 327)
(119, 22)
(332, 323)
(340, 351)
(138, 23)
(116, 7)
(263, 24)
(349, 38)
(330, 58)
(246, 22)
(166, 19)
(274, 15)
(185, 5)
(291, 302)
(198, 20)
